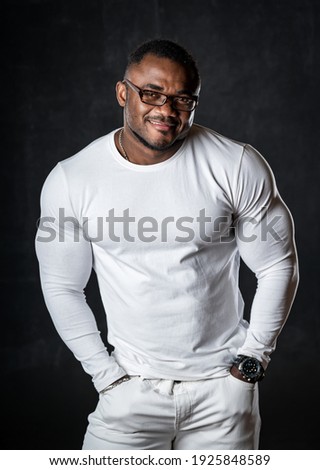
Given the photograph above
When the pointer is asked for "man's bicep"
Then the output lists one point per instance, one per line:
(63, 252)
(65, 261)
(263, 224)
(267, 240)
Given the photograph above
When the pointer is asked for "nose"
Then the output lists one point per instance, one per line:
(167, 108)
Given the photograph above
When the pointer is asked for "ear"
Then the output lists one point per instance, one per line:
(121, 93)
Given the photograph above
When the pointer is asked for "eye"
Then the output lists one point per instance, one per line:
(151, 94)
(183, 100)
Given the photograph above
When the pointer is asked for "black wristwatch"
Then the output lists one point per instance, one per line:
(250, 368)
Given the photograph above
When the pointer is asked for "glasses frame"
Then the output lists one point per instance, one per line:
(140, 92)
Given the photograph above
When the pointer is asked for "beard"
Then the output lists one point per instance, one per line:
(158, 147)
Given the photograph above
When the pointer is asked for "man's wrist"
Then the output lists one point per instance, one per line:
(247, 368)
(234, 371)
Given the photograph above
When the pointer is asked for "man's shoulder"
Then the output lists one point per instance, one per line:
(216, 145)
(88, 154)
(82, 167)
(199, 130)
(229, 152)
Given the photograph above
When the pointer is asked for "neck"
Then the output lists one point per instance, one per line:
(132, 149)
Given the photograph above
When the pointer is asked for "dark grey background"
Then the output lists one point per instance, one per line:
(260, 84)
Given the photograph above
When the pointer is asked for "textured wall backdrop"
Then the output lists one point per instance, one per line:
(259, 62)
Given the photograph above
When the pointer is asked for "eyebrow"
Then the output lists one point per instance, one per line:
(161, 89)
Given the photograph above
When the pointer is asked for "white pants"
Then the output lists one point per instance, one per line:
(220, 413)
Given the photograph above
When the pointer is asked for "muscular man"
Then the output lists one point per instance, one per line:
(163, 209)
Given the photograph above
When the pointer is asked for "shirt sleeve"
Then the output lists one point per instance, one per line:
(65, 261)
(265, 237)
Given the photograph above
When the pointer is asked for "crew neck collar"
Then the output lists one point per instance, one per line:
(144, 168)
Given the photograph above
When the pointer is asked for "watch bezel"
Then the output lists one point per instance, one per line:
(255, 375)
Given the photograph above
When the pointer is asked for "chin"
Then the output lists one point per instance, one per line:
(157, 145)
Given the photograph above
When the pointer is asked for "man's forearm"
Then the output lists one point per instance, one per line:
(270, 308)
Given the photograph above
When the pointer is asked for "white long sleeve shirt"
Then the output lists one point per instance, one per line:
(165, 241)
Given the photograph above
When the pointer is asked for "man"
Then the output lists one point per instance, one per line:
(163, 209)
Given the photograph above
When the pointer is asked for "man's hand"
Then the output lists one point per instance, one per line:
(117, 382)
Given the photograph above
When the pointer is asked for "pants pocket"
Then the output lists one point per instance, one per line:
(242, 398)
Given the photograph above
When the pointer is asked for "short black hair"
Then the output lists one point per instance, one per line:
(166, 49)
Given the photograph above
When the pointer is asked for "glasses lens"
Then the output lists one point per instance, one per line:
(180, 103)
(184, 104)
(152, 97)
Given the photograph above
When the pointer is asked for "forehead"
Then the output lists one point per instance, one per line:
(162, 72)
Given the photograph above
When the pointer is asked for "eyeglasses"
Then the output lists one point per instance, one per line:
(155, 98)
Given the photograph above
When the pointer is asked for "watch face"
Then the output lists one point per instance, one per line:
(251, 368)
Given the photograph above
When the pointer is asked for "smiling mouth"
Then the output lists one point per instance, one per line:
(162, 125)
